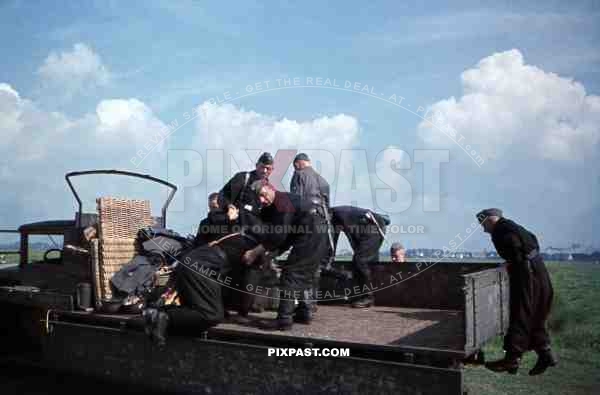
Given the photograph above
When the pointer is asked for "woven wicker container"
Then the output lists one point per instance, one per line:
(95, 258)
(122, 218)
(119, 221)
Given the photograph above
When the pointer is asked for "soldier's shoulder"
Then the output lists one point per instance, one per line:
(507, 226)
(342, 210)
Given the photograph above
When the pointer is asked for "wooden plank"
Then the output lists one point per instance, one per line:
(488, 305)
(469, 314)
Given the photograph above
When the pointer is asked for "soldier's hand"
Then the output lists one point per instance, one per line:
(232, 212)
(249, 257)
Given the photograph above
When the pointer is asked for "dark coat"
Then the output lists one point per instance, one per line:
(531, 290)
(213, 227)
(310, 185)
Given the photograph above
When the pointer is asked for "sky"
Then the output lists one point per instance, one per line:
(425, 111)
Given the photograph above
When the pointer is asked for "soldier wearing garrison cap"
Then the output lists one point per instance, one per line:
(290, 223)
(313, 188)
(531, 293)
(239, 193)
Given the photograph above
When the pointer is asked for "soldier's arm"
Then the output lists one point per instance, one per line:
(230, 191)
(515, 249)
(323, 189)
(298, 184)
(202, 233)
(273, 239)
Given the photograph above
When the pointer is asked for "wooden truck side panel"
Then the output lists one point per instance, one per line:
(486, 306)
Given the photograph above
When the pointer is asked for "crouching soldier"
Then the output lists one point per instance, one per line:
(365, 231)
(200, 275)
(531, 293)
(290, 222)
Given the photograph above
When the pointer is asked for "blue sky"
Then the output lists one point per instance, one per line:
(87, 84)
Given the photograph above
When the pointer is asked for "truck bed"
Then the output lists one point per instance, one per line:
(442, 329)
(379, 327)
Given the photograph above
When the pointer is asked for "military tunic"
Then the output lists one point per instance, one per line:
(238, 191)
(364, 238)
(206, 280)
(290, 222)
(531, 290)
(213, 227)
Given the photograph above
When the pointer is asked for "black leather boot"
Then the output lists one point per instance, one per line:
(278, 324)
(303, 314)
(284, 320)
(150, 316)
(510, 363)
(364, 302)
(545, 360)
(159, 333)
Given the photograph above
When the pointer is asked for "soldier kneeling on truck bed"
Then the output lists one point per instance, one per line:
(201, 275)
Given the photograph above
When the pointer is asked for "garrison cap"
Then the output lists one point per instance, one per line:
(302, 156)
(489, 212)
(266, 159)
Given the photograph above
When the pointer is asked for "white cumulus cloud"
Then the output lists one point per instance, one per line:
(226, 126)
(39, 147)
(509, 108)
(75, 70)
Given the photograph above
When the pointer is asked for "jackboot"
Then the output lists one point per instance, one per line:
(150, 315)
(510, 363)
(545, 360)
(159, 332)
(284, 320)
(303, 314)
(364, 302)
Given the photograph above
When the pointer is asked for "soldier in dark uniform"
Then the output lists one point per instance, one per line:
(307, 183)
(218, 223)
(531, 293)
(365, 231)
(202, 275)
(312, 187)
(238, 191)
(290, 223)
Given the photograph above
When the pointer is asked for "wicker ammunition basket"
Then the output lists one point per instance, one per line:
(122, 218)
(119, 221)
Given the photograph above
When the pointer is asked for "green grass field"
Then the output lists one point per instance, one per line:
(33, 256)
(575, 330)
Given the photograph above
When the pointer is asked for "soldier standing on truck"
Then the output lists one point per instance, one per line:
(311, 186)
(238, 192)
(531, 293)
(290, 222)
